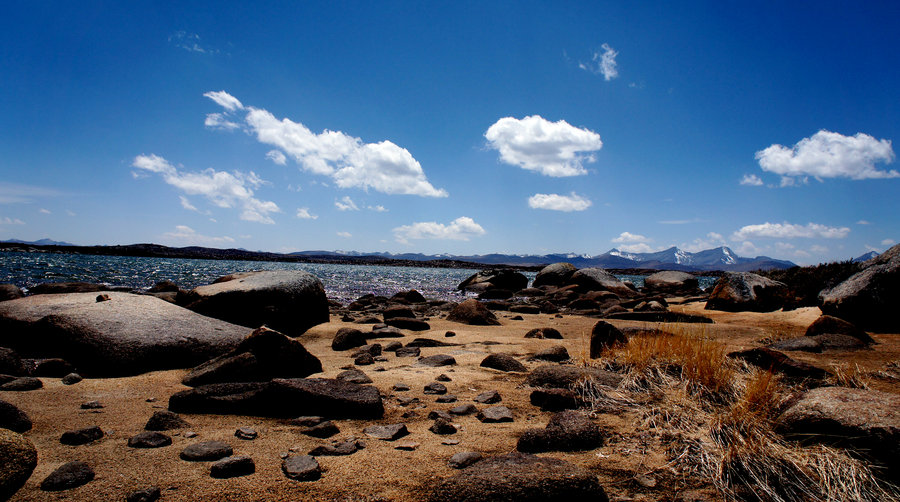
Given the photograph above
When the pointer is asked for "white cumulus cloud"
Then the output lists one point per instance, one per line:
(550, 148)
(460, 229)
(603, 63)
(630, 237)
(828, 154)
(277, 157)
(556, 202)
(887, 242)
(226, 190)
(712, 240)
(304, 214)
(184, 234)
(790, 231)
(218, 121)
(751, 180)
(350, 162)
(346, 204)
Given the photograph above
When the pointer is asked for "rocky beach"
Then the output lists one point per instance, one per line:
(575, 384)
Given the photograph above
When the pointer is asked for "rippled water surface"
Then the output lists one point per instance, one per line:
(344, 283)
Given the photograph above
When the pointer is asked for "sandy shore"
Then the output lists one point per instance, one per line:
(379, 472)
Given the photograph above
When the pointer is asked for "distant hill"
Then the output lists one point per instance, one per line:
(42, 242)
(866, 257)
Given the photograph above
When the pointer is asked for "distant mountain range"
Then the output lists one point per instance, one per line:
(720, 258)
(866, 257)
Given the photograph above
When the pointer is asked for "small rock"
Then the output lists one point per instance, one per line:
(91, 405)
(392, 346)
(13, 418)
(443, 378)
(348, 338)
(165, 420)
(554, 399)
(103, 298)
(67, 476)
(390, 432)
(301, 468)
(503, 362)
(71, 379)
(605, 336)
(354, 376)
(401, 387)
(437, 360)
(557, 353)
(344, 448)
(406, 401)
(406, 445)
(464, 409)
(544, 333)
(464, 459)
(322, 430)
(149, 439)
(450, 442)
(438, 414)
(645, 481)
(435, 388)
(488, 397)
(81, 436)
(306, 421)
(408, 352)
(190, 434)
(447, 398)
(246, 433)
(495, 414)
(449, 334)
(364, 360)
(229, 467)
(206, 451)
(442, 426)
(151, 494)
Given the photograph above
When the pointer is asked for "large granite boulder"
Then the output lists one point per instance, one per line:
(746, 291)
(671, 282)
(865, 420)
(282, 397)
(289, 301)
(59, 288)
(125, 335)
(494, 279)
(521, 477)
(555, 274)
(598, 279)
(18, 457)
(9, 292)
(265, 354)
(867, 298)
(473, 312)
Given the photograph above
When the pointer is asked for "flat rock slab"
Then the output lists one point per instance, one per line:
(488, 397)
(206, 451)
(165, 420)
(282, 397)
(437, 360)
(409, 323)
(149, 439)
(81, 436)
(521, 477)
(126, 335)
(564, 376)
(390, 432)
(288, 301)
(231, 467)
(338, 449)
(67, 476)
(301, 468)
(768, 359)
(495, 414)
(322, 430)
(503, 362)
(22, 384)
(464, 459)
(660, 317)
(865, 420)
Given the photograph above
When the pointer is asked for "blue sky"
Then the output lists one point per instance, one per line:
(463, 128)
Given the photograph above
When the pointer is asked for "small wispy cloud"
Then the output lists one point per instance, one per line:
(790, 231)
(184, 234)
(304, 214)
(190, 42)
(603, 63)
(378, 209)
(15, 193)
(346, 204)
(277, 157)
(44, 211)
(345, 235)
(6, 220)
(751, 180)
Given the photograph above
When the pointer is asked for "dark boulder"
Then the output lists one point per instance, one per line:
(429, 342)
(22, 384)
(18, 457)
(127, 335)
(265, 354)
(556, 354)
(407, 351)
(827, 324)
(58, 288)
(436, 360)
(322, 430)
(566, 431)
(67, 476)
(598, 279)
(550, 333)
(282, 398)
(747, 292)
(554, 399)
(149, 439)
(503, 362)
(565, 377)
(233, 466)
(556, 274)
(605, 336)
(354, 375)
(165, 420)
(11, 363)
(348, 338)
(71, 379)
(411, 296)
(494, 279)
(301, 468)
(10, 292)
(81, 436)
(53, 367)
(777, 362)
(206, 451)
(397, 311)
(472, 312)
(410, 323)
(13, 418)
(289, 301)
(867, 421)
(868, 297)
(521, 477)
(488, 397)
(671, 282)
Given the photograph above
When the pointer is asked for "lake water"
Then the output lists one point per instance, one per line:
(343, 283)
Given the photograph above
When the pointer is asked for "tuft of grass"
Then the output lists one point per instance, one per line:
(849, 376)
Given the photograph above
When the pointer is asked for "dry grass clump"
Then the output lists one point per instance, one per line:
(716, 417)
(849, 376)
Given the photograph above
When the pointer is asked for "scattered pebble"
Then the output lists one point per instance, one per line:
(301, 468)
(229, 467)
(246, 433)
(464, 459)
(406, 445)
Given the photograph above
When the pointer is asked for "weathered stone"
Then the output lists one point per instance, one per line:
(435, 388)
(246, 433)
(566, 431)
(554, 399)
(373, 349)
(867, 421)
(71, 379)
(54, 367)
(18, 457)
(393, 346)
(464, 459)
(390, 432)
(442, 426)
(464, 409)
(10, 292)
(348, 338)
(745, 291)
(354, 375)
(397, 311)
(233, 466)
(13, 418)
(559, 376)
(772, 360)
(671, 282)
(551, 333)
(437, 360)
(165, 420)
(488, 397)
(81, 436)
(410, 323)
(322, 430)
(494, 279)
(827, 324)
(11, 363)
(339, 449)
(408, 351)
(22, 384)
(867, 298)
(605, 336)
(206, 451)
(556, 353)
(301, 468)
(67, 476)
(364, 360)
(428, 342)
(598, 279)
(411, 296)
(523, 308)
(128, 335)
(265, 354)
(149, 439)
(555, 274)
(151, 494)
(503, 362)
(495, 414)
(385, 331)
(58, 288)
(446, 398)
(521, 477)
(288, 301)
(472, 312)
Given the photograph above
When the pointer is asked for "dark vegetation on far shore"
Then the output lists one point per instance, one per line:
(805, 283)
